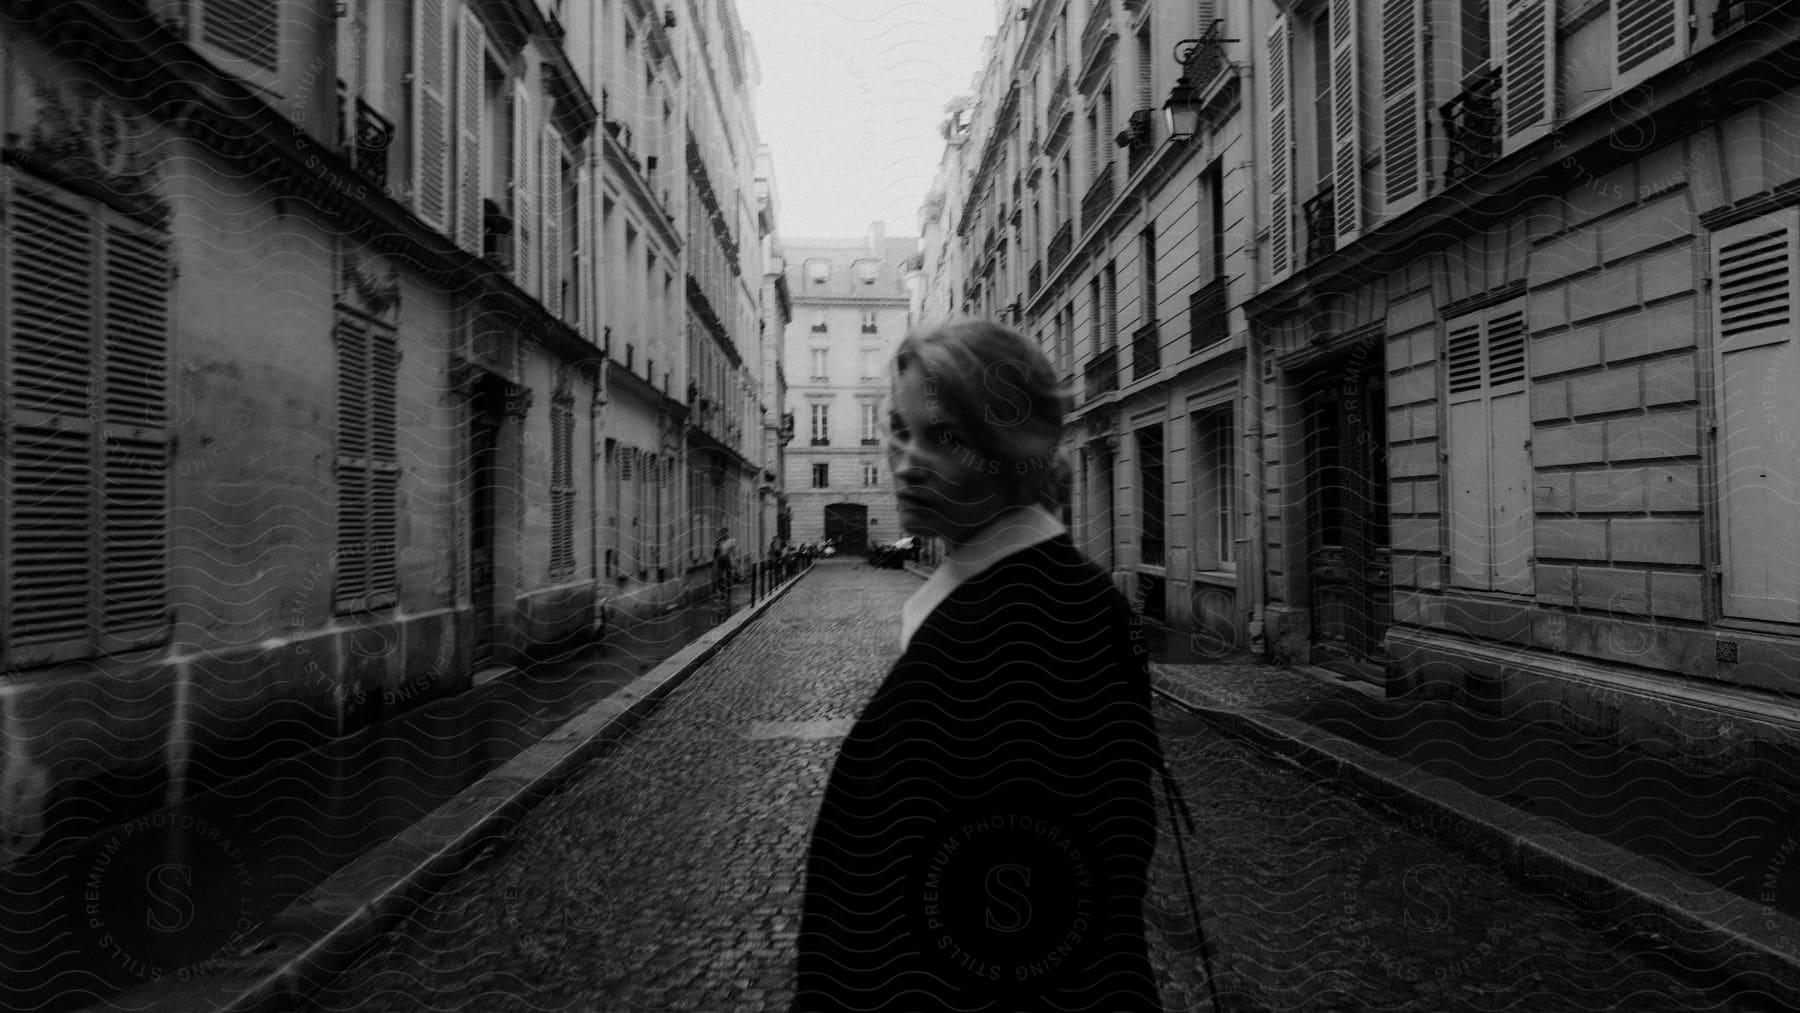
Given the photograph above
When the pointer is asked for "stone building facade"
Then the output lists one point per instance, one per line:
(343, 360)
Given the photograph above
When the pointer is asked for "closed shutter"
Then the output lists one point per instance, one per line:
(1281, 155)
(367, 463)
(248, 30)
(1528, 79)
(431, 114)
(1753, 317)
(469, 156)
(1649, 36)
(85, 346)
(1346, 122)
(524, 190)
(587, 233)
(1402, 104)
(1489, 468)
(562, 487)
(551, 172)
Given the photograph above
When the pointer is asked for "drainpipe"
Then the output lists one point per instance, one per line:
(1257, 583)
(596, 457)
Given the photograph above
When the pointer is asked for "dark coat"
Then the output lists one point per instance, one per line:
(986, 831)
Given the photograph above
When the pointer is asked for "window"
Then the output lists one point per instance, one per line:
(85, 296)
(871, 474)
(1215, 490)
(1754, 264)
(821, 425)
(562, 483)
(1109, 317)
(1147, 273)
(820, 364)
(818, 271)
(1489, 469)
(867, 271)
(247, 30)
(868, 322)
(368, 469)
(818, 323)
(821, 475)
(871, 364)
(871, 424)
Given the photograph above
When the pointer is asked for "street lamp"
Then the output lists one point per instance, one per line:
(1181, 113)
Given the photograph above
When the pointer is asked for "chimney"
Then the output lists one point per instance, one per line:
(878, 239)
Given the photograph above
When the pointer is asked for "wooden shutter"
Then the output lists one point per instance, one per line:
(1281, 155)
(135, 434)
(367, 463)
(524, 190)
(1753, 315)
(587, 256)
(1403, 95)
(551, 172)
(562, 487)
(86, 352)
(431, 114)
(472, 93)
(1509, 463)
(1346, 122)
(1648, 36)
(384, 467)
(248, 30)
(1467, 464)
(1527, 34)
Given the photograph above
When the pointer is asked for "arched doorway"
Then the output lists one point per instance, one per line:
(847, 526)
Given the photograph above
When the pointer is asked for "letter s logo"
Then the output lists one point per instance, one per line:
(1013, 879)
(170, 908)
(1006, 395)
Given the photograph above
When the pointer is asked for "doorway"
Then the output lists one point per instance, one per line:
(486, 419)
(847, 527)
(1349, 552)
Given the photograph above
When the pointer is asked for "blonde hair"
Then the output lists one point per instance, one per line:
(1001, 390)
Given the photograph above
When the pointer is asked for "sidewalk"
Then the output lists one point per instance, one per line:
(1703, 866)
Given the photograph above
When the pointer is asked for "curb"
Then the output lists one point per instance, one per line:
(1748, 945)
(316, 937)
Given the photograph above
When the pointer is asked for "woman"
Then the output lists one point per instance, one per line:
(986, 830)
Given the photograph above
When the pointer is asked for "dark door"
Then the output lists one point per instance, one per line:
(484, 440)
(1347, 515)
(847, 526)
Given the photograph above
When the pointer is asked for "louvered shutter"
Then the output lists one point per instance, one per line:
(135, 434)
(1346, 123)
(248, 30)
(431, 114)
(1281, 155)
(562, 487)
(51, 317)
(1467, 464)
(1753, 315)
(1648, 36)
(384, 467)
(469, 156)
(551, 172)
(1403, 99)
(1509, 464)
(1528, 79)
(354, 398)
(587, 273)
(524, 190)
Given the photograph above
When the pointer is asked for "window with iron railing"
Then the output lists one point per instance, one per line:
(1320, 214)
(1061, 243)
(1206, 315)
(1099, 197)
(1472, 125)
(1145, 356)
(1101, 374)
(1733, 14)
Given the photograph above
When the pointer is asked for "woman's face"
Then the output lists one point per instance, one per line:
(945, 486)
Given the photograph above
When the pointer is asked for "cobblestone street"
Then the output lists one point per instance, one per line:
(666, 876)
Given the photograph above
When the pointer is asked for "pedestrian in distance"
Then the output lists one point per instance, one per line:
(986, 829)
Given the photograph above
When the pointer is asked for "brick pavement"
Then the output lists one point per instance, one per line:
(666, 875)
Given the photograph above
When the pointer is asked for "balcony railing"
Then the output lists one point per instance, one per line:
(1321, 230)
(1139, 138)
(1145, 357)
(1206, 60)
(1206, 315)
(1472, 126)
(1732, 14)
(818, 328)
(1096, 32)
(1153, 550)
(1058, 105)
(367, 141)
(1101, 374)
(496, 235)
(1061, 243)
(1036, 277)
(1099, 197)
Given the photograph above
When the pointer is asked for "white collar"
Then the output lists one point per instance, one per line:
(1014, 530)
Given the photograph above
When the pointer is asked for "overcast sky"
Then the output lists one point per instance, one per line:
(852, 93)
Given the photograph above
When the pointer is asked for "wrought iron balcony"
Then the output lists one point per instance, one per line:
(1097, 32)
(1061, 243)
(1202, 65)
(1138, 139)
(1058, 105)
(1206, 315)
(1101, 374)
(1472, 126)
(1732, 14)
(496, 235)
(365, 141)
(1099, 197)
(1153, 550)
(1035, 277)
(1145, 355)
(1321, 228)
